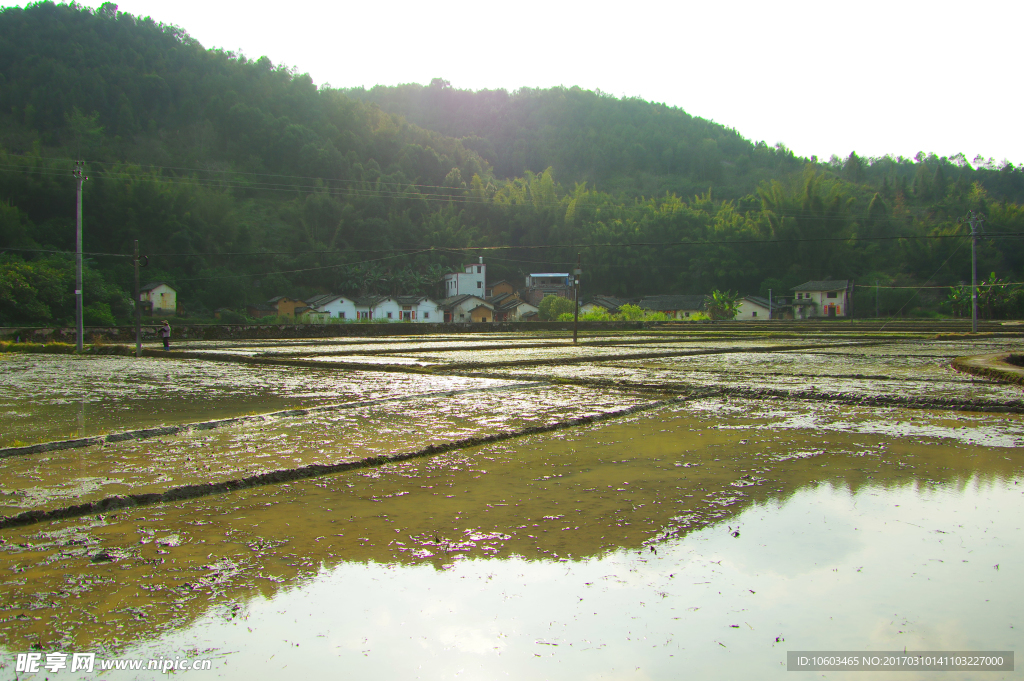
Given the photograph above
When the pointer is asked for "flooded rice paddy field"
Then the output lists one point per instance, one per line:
(690, 537)
(703, 537)
(321, 437)
(51, 397)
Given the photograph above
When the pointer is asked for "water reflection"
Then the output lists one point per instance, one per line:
(684, 540)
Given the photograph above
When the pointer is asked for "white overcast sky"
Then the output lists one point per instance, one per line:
(872, 76)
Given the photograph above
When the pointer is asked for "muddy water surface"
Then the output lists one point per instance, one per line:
(705, 539)
(54, 397)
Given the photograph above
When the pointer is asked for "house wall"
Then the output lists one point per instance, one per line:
(342, 308)
(163, 299)
(501, 288)
(482, 314)
(751, 310)
(523, 309)
(471, 282)
(381, 311)
(286, 307)
(822, 301)
(463, 311)
(428, 311)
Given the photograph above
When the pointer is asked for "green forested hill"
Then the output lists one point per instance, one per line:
(618, 145)
(243, 180)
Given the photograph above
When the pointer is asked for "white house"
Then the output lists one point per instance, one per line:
(472, 282)
(466, 308)
(756, 308)
(336, 307)
(828, 298)
(419, 309)
(162, 299)
(380, 308)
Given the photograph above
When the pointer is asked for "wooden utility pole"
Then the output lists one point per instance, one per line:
(79, 174)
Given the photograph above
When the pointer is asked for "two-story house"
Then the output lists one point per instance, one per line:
(826, 298)
(472, 282)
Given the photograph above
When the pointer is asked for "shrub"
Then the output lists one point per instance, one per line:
(553, 307)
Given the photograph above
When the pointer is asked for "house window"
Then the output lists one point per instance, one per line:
(831, 294)
(479, 269)
(462, 316)
(479, 284)
(389, 315)
(341, 315)
(426, 315)
(687, 314)
(754, 313)
(364, 315)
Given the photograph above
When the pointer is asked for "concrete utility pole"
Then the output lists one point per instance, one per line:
(975, 220)
(576, 297)
(138, 306)
(769, 304)
(79, 173)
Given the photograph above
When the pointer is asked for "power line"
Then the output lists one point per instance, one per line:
(920, 288)
(64, 252)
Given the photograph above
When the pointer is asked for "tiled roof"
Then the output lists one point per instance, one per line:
(410, 300)
(763, 302)
(610, 303)
(824, 285)
(449, 303)
(370, 301)
(153, 285)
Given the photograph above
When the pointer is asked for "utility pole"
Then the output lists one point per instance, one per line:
(79, 174)
(138, 306)
(576, 297)
(876, 299)
(769, 304)
(975, 220)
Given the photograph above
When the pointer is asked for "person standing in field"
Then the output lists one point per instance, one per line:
(165, 333)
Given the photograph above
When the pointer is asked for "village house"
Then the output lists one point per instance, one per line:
(418, 309)
(609, 304)
(467, 308)
(285, 306)
(542, 284)
(826, 298)
(471, 282)
(499, 288)
(377, 307)
(334, 306)
(756, 308)
(674, 307)
(158, 298)
(509, 308)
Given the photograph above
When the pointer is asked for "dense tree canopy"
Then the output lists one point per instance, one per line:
(243, 180)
